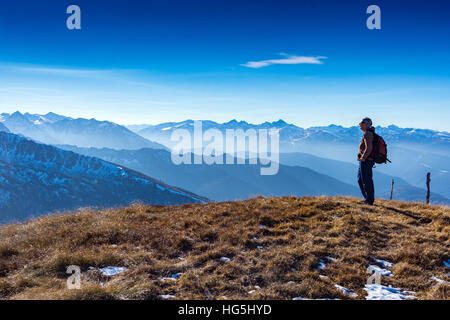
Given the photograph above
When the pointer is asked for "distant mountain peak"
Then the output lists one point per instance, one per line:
(17, 114)
(280, 122)
(53, 117)
(53, 114)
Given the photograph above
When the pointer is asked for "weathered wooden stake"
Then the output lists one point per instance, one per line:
(392, 189)
(428, 187)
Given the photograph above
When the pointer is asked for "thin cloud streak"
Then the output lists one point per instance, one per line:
(290, 59)
(88, 73)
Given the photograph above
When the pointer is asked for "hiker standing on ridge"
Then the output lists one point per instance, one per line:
(366, 161)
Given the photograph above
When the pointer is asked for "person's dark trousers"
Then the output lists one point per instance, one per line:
(365, 180)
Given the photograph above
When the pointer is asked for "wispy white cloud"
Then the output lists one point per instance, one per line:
(62, 71)
(130, 77)
(289, 59)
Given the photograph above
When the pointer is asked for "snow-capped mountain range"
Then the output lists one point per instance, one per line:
(37, 179)
(292, 136)
(56, 129)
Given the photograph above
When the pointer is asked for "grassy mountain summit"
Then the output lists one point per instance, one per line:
(262, 248)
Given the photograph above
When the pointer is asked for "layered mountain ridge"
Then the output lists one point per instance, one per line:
(38, 179)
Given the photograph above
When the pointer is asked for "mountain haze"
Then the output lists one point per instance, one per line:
(413, 152)
(38, 179)
(223, 182)
(232, 182)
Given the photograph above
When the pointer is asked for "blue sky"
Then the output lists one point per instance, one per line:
(307, 62)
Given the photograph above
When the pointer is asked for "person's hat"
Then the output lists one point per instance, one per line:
(367, 121)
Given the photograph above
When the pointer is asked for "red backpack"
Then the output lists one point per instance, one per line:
(379, 153)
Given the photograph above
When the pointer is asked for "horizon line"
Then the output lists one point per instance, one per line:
(219, 123)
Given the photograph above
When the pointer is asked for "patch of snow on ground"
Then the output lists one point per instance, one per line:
(346, 291)
(225, 259)
(380, 292)
(112, 271)
(173, 277)
(383, 272)
(384, 263)
(438, 280)
(321, 266)
(167, 296)
(167, 279)
(447, 263)
(254, 290)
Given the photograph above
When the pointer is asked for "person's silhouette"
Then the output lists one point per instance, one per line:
(366, 161)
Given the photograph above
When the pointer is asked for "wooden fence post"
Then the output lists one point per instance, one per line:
(392, 189)
(428, 187)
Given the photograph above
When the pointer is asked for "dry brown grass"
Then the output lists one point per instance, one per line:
(298, 233)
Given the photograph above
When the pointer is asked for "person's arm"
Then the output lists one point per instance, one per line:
(368, 141)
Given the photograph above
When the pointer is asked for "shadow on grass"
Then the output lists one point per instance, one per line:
(409, 214)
